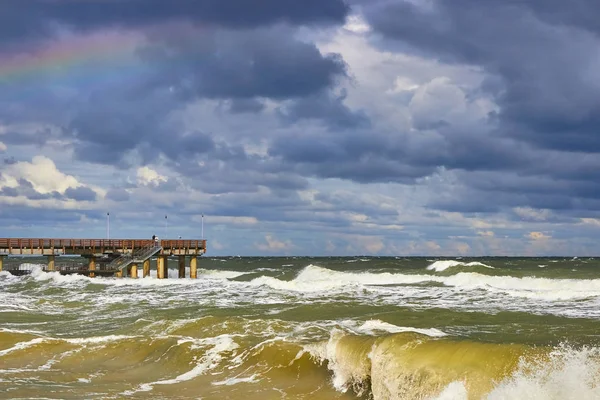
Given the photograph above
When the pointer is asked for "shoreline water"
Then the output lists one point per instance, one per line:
(347, 328)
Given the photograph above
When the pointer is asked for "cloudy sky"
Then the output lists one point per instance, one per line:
(313, 127)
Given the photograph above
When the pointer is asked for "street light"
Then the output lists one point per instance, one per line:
(108, 225)
(165, 226)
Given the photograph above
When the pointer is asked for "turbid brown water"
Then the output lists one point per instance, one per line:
(308, 328)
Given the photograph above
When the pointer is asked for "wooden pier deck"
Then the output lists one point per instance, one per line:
(103, 257)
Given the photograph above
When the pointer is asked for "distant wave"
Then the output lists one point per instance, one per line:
(317, 279)
(443, 265)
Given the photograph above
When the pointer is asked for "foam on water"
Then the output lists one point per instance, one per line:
(399, 367)
(55, 277)
(22, 346)
(376, 326)
(442, 265)
(236, 380)
(318, 279)
(213, 356)
(568, 374)
(454, 391)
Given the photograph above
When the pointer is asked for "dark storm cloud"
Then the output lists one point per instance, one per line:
(239, 106)
(22, 20)
(543, 55)
(81, 193)
(232, 170)
(119, 118)
(375, 156)
(27, 190)
(326, 107)
(238, 56)
(268, 63)
(117, 194)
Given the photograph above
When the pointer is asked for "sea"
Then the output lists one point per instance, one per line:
(255, 328)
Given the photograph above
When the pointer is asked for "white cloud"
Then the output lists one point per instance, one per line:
(2, 147)
(538, 236)
(356, 24)
(274, 245)
(42, 173)
(590, 221)
(147, 176)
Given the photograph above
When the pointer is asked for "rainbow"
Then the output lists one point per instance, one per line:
(62, 55)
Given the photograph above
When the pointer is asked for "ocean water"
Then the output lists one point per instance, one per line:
(308, 328)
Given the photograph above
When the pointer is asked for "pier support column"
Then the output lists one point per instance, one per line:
(51, 263)
(162, 267)
(182, 266)
(146, 267)
(193, 267)
(133, 272)
(92, 266)
(119, 274)
(1, 262)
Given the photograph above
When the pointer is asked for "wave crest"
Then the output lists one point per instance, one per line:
(442, 265)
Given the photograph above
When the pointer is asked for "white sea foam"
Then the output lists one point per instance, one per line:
(213, 356)
(462, 290)
(152, 280)
(569, 374)
(454, 391)
(442, 265)
(22, 346)
(373, 326)
(99, 339)
(236, 380)
(26, 331)
(343, 373)
(316, 279)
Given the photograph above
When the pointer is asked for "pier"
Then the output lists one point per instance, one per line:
(103, 257)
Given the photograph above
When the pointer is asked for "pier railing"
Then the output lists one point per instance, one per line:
(66, 246)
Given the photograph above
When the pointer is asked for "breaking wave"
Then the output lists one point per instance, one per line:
(443, 265)
(414, 366)
(317, 279)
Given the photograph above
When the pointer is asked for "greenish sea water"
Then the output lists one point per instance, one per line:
(308, 328)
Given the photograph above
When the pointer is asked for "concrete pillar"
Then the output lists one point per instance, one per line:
(1, 262)
(182, 266)
(133, 272)
(194, 267)
(146, 271)
(92, 266)
(119, 274)
(51, 263)
(162, 267)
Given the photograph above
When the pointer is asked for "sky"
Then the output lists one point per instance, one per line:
(313, 127)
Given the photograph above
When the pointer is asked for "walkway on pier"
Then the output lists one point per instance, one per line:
(106, 257)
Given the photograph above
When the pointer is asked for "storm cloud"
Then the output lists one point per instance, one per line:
(414, 125)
